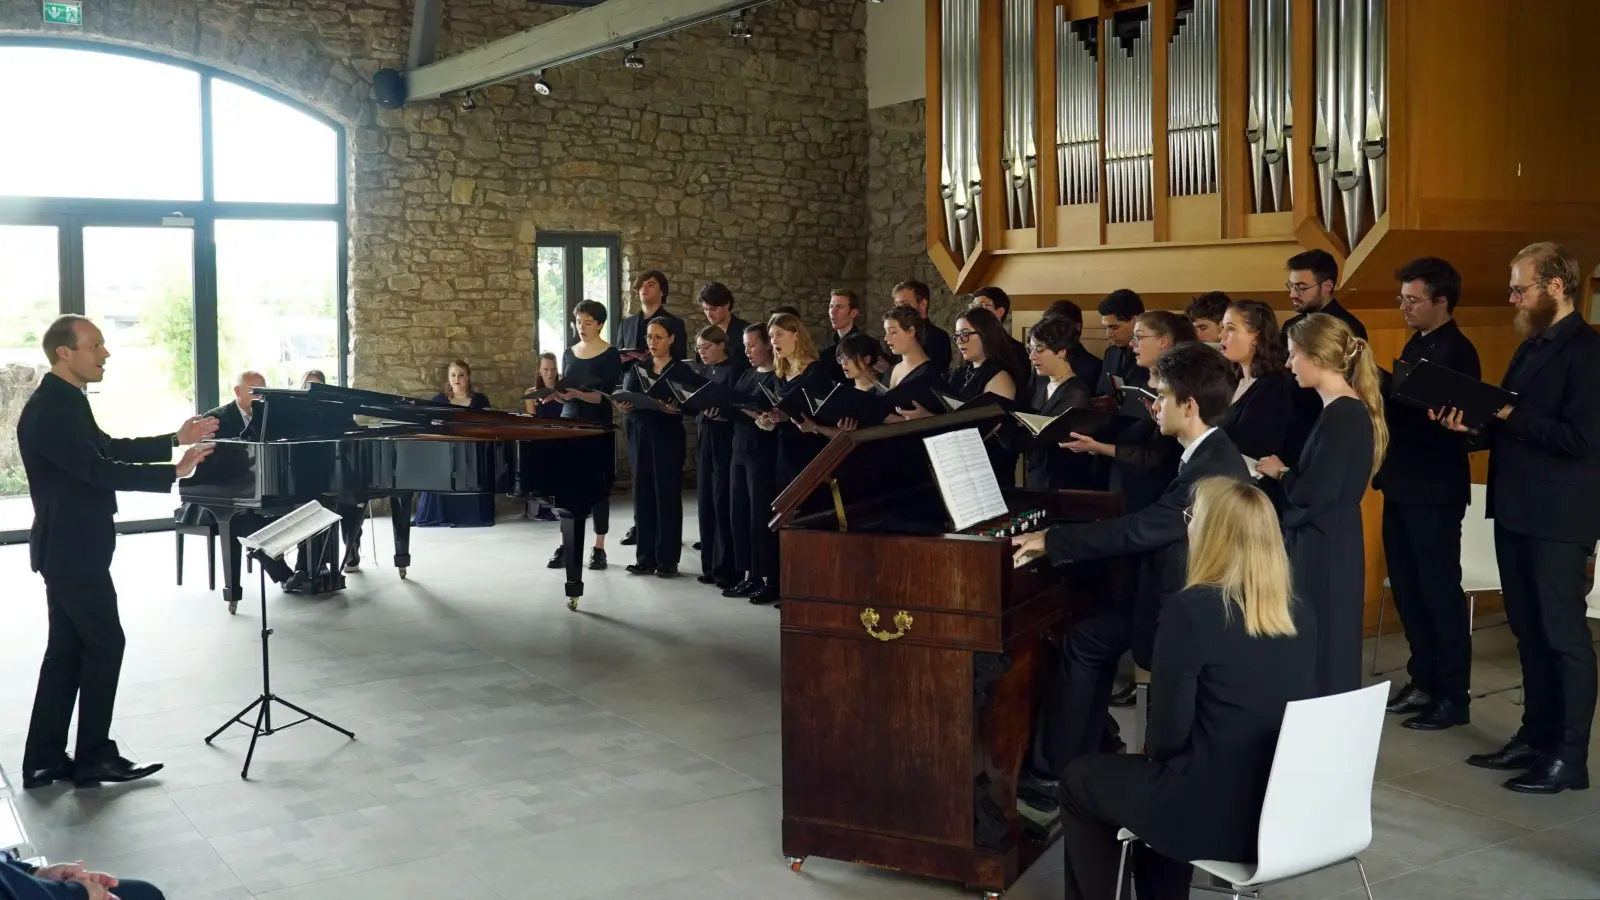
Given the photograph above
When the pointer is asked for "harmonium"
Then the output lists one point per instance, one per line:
(912, 649)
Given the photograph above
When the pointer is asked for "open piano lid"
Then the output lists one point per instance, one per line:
(325, 410)
(872, 461)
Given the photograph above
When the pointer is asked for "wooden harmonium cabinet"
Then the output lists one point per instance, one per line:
(911, 658)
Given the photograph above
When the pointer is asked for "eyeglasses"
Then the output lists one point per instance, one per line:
(1409, 302)
(1035, 349)
(1516, 292)
(1143, 336)
(961, 337)
(1296, 288)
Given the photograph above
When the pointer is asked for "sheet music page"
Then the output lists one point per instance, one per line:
(966, 480)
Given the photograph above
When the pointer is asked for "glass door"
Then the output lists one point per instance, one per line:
(30, 296)
(568, 268)
(138, 286)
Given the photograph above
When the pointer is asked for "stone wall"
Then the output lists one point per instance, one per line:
(737, 161)
(896, 207)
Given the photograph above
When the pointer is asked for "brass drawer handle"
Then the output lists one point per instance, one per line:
(902, 624)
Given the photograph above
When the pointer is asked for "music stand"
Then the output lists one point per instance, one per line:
(273, 541)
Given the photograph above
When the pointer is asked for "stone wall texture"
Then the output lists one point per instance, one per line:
(737, 161)
(897, 247)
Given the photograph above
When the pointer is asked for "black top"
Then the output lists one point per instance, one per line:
(1544, 462)
(602, 372)
(1048, 467)
(1145, 463)
(725, 372)
(1122, 362)
(735, 333)
(74, 472)
(1217, 699)
(633, 380)
(1331, 308)
(1333, 472)
(1308, 406)
(829, 357)
(478, 401)
(630, 334)
(1084, 364)
(1157, 535)
(748, 438)
(230, 420)
(1426, 462)
(968, 381)
(1261, 420)
(935, 342)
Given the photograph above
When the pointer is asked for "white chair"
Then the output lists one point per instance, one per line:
(13, 837)
(1480, 571)
(1318, 808)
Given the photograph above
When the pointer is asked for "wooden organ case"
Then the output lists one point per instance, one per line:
(911, 658)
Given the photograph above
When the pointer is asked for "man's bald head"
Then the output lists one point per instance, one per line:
(247, 380)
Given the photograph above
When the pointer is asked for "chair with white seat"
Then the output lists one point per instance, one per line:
(1318, 809)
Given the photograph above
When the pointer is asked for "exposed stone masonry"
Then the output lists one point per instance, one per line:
(897, 246)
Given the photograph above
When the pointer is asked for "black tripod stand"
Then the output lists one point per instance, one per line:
(263, 704)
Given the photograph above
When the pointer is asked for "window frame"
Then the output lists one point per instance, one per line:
(572, 244)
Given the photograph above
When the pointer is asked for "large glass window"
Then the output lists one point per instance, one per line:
(105, 210)
(568, 268)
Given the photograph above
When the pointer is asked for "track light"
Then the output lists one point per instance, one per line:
(468, 103)
(741, 26)
(633, 60)
(540, 85)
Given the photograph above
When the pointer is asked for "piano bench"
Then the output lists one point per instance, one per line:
(209, 532)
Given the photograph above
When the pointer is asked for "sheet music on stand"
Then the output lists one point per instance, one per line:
(966, 479)
(290, 530)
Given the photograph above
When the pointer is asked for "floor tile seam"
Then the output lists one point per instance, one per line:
(1467, 809)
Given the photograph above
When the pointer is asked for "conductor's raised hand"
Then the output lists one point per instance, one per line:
(196, 429)
(192, 457)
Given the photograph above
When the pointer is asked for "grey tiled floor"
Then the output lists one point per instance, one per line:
(510, 748)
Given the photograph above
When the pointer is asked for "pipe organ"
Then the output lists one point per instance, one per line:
(1270, 127)
(1129, 143)
(961, 181)
(1077, 110)
(1192, 102)
(1352, 111)
(1021, 157)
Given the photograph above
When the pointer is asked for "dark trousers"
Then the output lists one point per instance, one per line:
(1422, 543)
(1543, 583)
(352, 521)
(1074, 717)
(1102, 793)
(657, 449)
(755, 547)
(82, 662)
(713, 468)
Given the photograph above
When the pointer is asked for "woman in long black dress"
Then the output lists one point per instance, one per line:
(915, 373)
(752, 476)
(797, 370)
(857, 357)
(713, 464)
(1056, 389)
(991, 364)
(657, 448)
(1321, 497)
(548, 408)
(456, 510)
(592, 365)
(1262, 416)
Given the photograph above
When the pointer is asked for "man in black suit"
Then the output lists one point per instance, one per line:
(844, 308)
(1426, 487)
(1117, 312)
(935, 340)
(1195, 386)
(653, 290)
(716, 303)
(1544, 498)
(1313, 276)
(74, 472)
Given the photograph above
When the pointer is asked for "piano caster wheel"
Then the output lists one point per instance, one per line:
(233, 607)
(795, 862)
(402, 573)
(572, 603)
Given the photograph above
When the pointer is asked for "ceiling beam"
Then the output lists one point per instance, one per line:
(424, 32)
(611, 24)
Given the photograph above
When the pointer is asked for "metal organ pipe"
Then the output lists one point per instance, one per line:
(1020, 158)
(1077, 110)
(960, 178)
(1192, 109)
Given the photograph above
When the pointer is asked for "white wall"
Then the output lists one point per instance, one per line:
(896, 52)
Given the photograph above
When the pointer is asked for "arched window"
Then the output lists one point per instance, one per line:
(198, 219)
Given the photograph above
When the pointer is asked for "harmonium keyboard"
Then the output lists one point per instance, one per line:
(912, 656)
(307, 445)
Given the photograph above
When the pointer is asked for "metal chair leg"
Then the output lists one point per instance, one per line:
(178, 535)
(1364, 882)
(1122, 868)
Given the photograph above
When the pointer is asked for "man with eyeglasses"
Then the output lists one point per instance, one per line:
(1544, 498)
(1426, 485)
(1312, 278)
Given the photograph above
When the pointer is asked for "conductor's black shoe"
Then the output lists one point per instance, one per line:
(1518, 754)
(743, 589)
(1043, 794)
(641, 570)
(597, 559)
(667, 572)
(1440, 715)
(1125, 698)
(706, 578)
(631, 538)
(558, 560)
(40, 778)
(116, 771)
(767, 593)
(1551, 776)
(1411, 699)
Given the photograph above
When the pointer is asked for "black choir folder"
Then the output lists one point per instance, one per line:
(1429, 385)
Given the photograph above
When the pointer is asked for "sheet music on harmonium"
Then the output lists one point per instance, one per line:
(966, 478)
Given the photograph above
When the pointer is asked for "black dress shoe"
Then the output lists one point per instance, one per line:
(726, 584)
(1441, 714)
(1127, 697)
(597, 559)
(697, 545)
(641, 570)
(743, 589)
(767, 593)
(631, 538)
(706, 578)
(1517, 754)
(1550, 776)
(667, 572)
(1411, 699)
(116, 771)
(1043, 794)
(40, 778)
(558, 560)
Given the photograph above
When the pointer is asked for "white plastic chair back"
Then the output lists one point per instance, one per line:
(1318, 808)
(1479, 569)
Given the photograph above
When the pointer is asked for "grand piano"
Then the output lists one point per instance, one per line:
(911, 657)
(306, 445)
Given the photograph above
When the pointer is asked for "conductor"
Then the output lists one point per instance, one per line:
(74, 471)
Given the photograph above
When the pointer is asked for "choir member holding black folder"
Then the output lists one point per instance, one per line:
(861, 401)
(1261, 420)
(1057, 391)
(798, 373)
(1544, 497)
(915, 378)
(592, 370)
(752, 476)
(1426, 485)
(714, 461)
(656, 449)
(992, 370)
(1320, 501)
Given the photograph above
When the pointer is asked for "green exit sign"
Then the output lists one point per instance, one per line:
(63, 12)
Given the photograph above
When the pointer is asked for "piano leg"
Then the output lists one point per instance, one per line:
(231, 591)
(400, 515)
(573, 525)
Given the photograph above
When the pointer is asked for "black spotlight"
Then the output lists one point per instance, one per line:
(540, 84)
(741, 26)
(633, 60)
(469, 103)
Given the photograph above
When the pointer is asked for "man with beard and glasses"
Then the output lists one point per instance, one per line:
(1544, 498)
